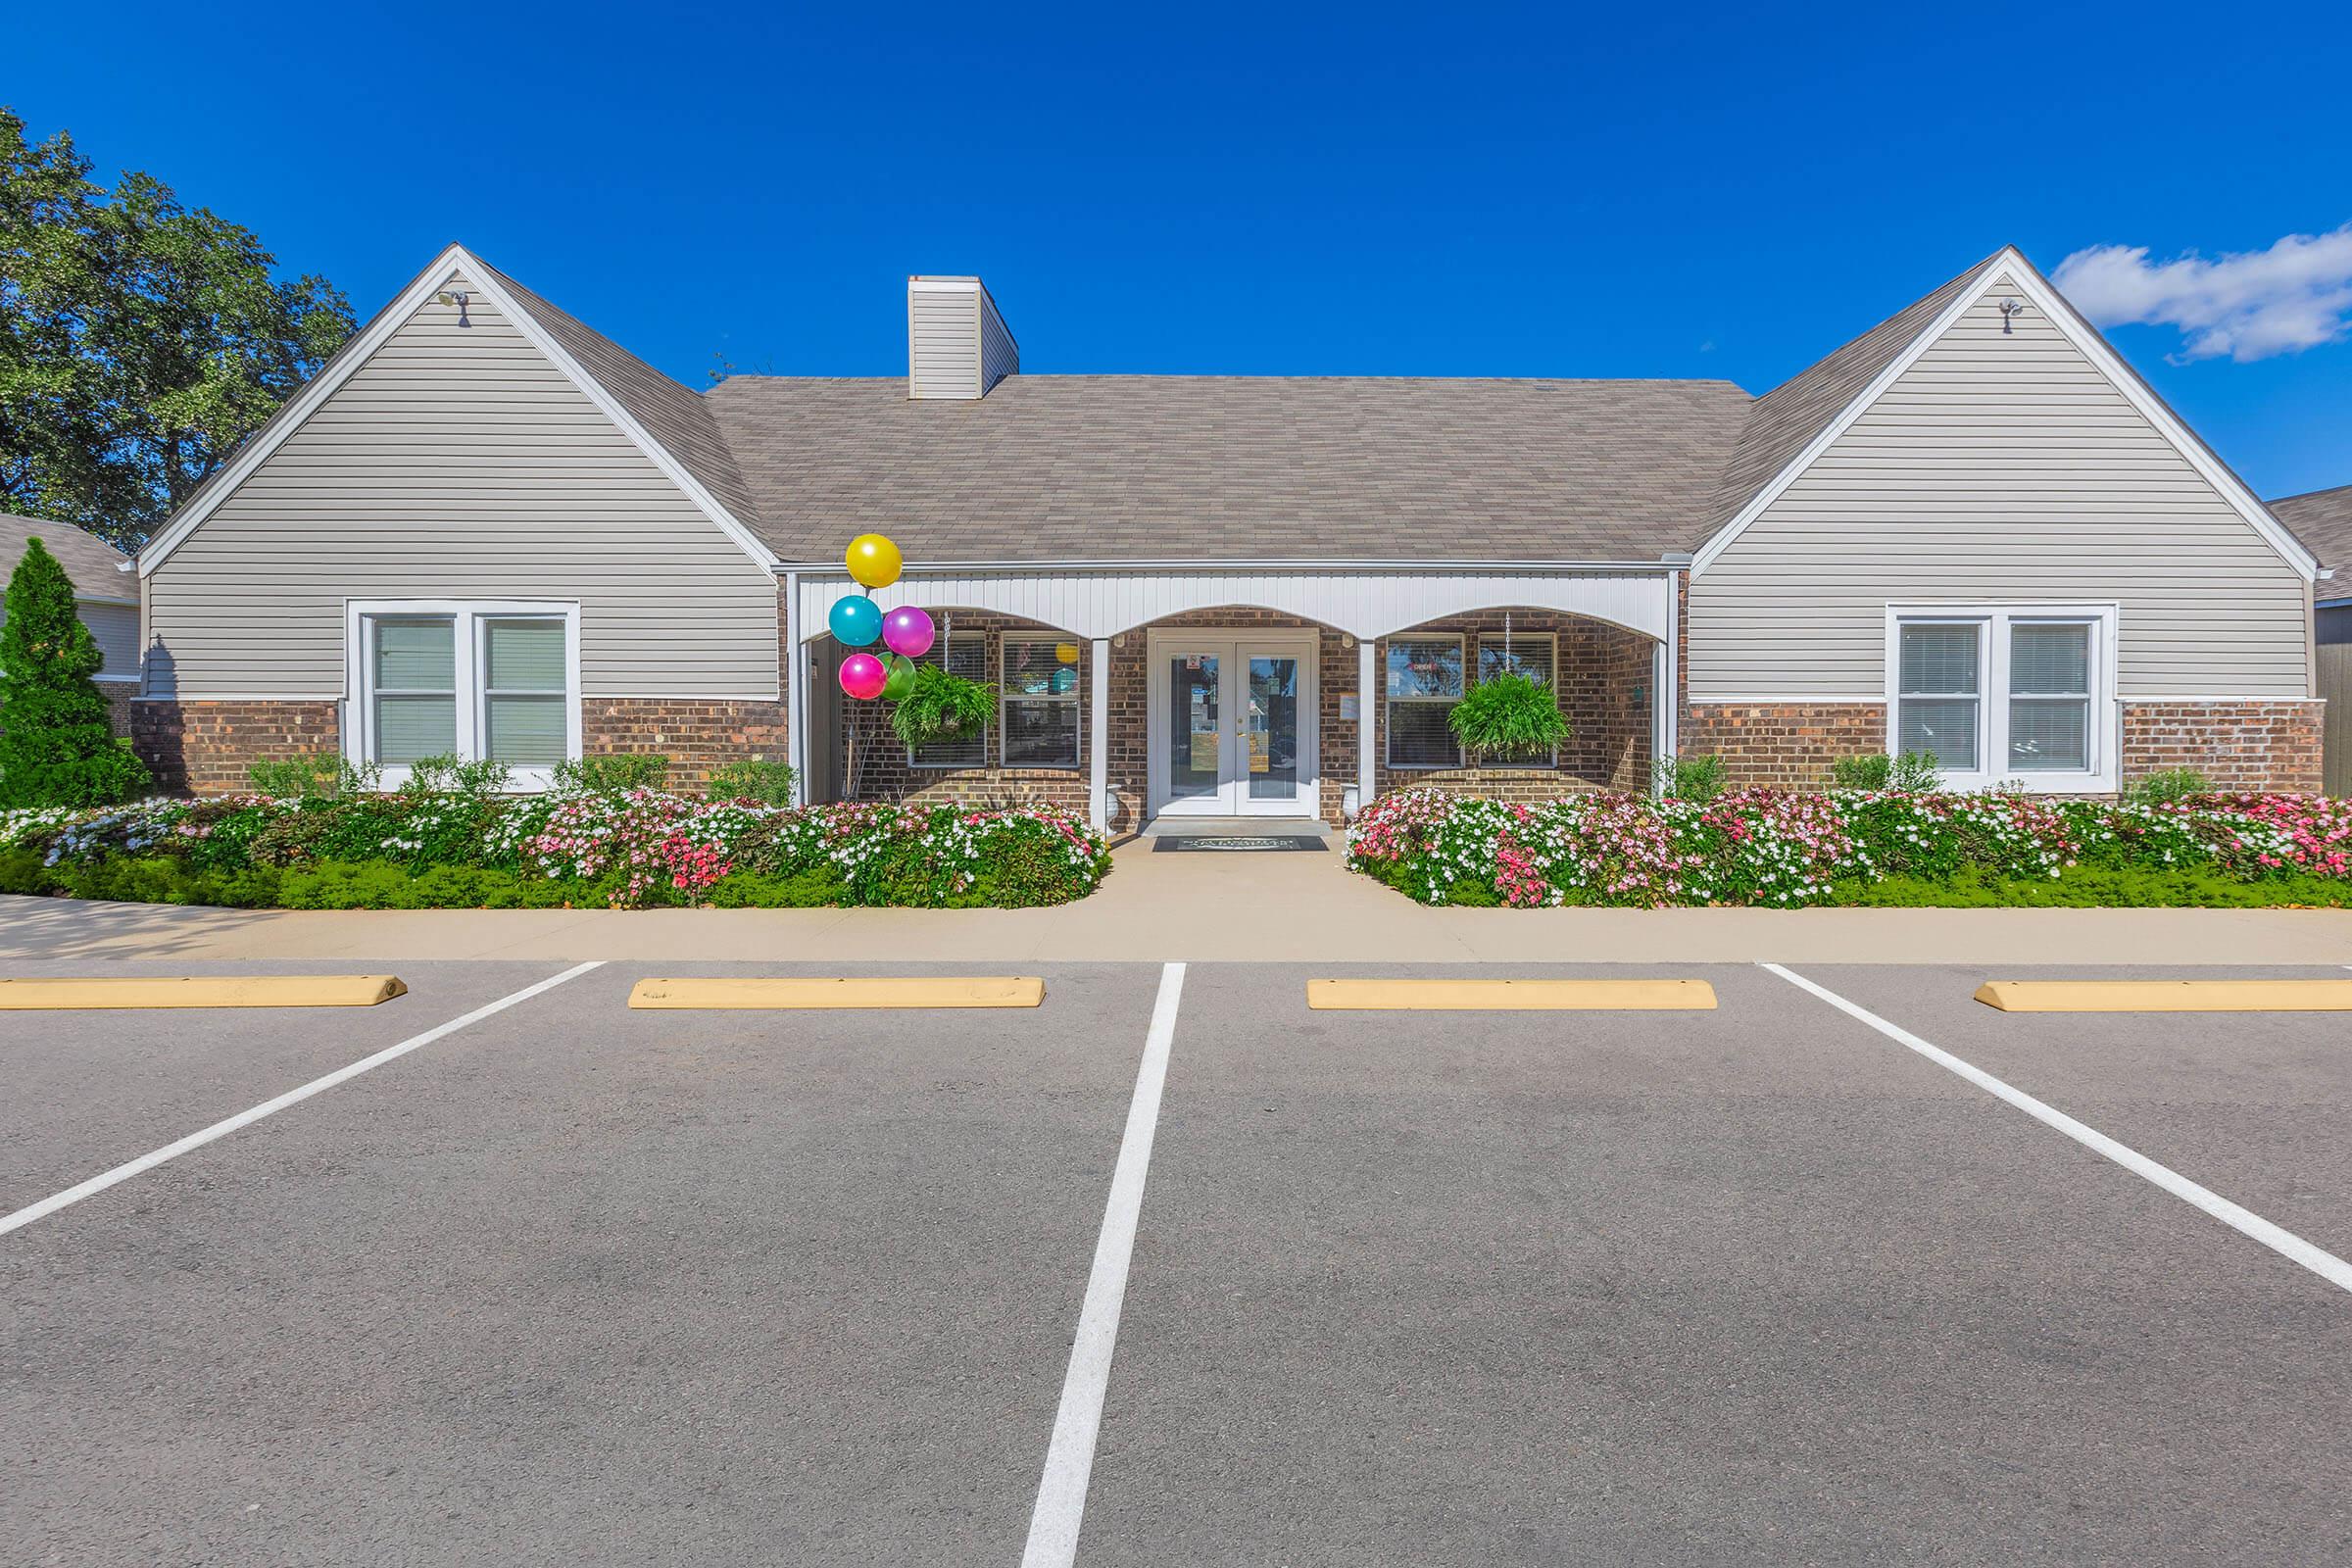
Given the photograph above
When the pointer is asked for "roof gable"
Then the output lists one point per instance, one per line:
(637, 394)
(1893, 347)
(1788, 418)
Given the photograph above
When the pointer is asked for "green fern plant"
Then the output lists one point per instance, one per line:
(1509, 717)
(940, 706)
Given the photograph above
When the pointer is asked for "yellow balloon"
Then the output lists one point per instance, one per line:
(1067, 653)
(874, 561)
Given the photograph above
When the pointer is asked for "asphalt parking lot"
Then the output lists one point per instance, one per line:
(574, 1283)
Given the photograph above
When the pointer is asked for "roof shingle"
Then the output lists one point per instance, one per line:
(2323, 521)
(90, 561)
(1097, 467)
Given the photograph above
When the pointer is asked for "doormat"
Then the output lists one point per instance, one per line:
(1273, 844)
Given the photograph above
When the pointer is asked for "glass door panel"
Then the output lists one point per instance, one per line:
(1194, 738)
(1270, 729)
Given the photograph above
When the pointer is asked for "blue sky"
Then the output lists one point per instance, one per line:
(1648, 191)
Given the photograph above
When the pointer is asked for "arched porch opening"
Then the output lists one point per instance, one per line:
(1034, 748)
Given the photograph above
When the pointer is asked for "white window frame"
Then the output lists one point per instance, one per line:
(1471, 678)
(1005, 699)
(472, 652)
(1388, 704)
(1993, 621)
(946, 640)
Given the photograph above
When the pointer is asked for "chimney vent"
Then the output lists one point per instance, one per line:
(956, 344)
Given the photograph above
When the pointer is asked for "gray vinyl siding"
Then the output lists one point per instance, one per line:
(460, 464)
(1998, 468)
(116, 630)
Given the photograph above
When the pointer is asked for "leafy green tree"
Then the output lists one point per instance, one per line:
(140, 340)
(57, 745)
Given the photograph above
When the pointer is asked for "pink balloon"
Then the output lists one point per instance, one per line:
(908, 630)
(862, 676)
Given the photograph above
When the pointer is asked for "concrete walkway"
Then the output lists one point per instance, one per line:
(1278, 907)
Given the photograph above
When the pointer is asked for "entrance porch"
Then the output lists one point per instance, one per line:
(1287, 696)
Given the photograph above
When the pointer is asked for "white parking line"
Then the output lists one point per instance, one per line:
(1070, 1459)
(271, 1107)
(2287, 1243)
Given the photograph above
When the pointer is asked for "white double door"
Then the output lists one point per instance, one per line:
(1232, 724)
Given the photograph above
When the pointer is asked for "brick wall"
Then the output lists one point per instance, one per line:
(1784, 743)
(696, 733)
(2250, 745)
(2238, 745)
(204, 748)
(117, 694)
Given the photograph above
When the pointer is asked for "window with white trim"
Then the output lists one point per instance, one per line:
(1535, 655)
(1941, 695)
(1997, 692)
(965, 653)
(1424, 682)
(1040, 707)
(471, 680)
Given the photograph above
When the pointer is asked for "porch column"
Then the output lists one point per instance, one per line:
(1366, 716)
(795, 691)
(1097, 742)
(1662, 706)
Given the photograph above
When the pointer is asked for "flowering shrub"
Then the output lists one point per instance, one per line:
(626, 849)
(1785, 849)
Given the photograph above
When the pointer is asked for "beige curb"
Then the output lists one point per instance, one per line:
(846, 991)
(201, 991)
(2167, 995)
(1510, 996)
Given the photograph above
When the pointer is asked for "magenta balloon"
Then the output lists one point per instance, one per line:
(908, 630)
(862, 676)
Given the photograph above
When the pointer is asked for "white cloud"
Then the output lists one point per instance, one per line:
(2249, 305)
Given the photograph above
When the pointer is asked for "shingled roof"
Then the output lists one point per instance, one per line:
(2323, 521)
(90, 563)
(1210, 468)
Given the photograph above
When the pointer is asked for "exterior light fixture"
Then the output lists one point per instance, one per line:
(460, 300)
(2010, 312)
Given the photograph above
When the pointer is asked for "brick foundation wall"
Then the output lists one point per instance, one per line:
(1790, 745)
(2249, 744)
(117, 694)
(204, 748)
(696, 733)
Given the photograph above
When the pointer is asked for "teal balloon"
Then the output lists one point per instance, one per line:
(902, 677)
(855, 621)
(1064, 680)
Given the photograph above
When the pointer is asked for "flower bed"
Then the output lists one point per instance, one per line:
(1783, 850)
(631, 850)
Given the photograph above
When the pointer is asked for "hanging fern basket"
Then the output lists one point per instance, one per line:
(1509, 718)
(940, 706)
